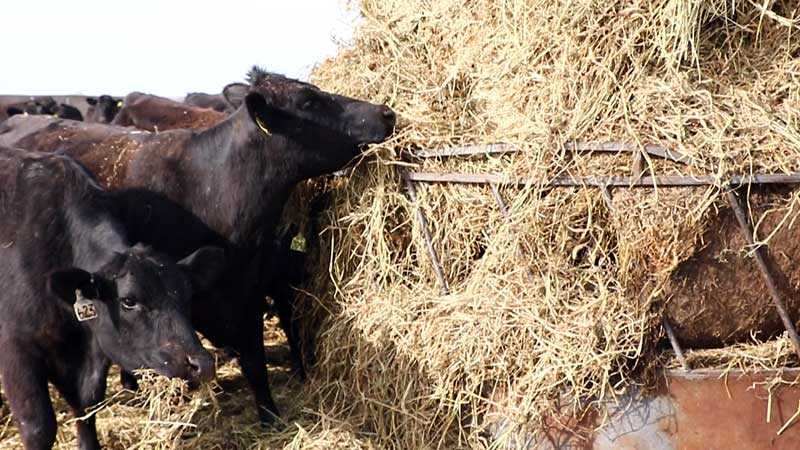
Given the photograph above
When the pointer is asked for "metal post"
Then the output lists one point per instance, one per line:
(744, 224)
(637, 169)
(673, 340)
(607, 198)
(504, 210)
(437, 267)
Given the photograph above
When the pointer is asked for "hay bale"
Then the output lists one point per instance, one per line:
(560, 303)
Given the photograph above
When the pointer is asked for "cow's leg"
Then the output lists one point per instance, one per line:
(284, 304)
(128, 380)
(25, 380)
(83, 389)
(252, 360)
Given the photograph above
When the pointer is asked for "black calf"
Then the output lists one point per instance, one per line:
(75, 296)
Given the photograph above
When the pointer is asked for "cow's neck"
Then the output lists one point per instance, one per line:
(243, 178)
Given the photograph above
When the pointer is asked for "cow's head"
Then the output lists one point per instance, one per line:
(329, 129)
(45, 105)
(102, 109)
(137, 308)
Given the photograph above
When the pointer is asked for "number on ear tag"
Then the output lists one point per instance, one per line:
(298, 243)
(84, 308)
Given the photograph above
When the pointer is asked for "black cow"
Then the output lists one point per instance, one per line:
(35, 105)
(65, 111)
(223, 186)
(102, 109)
(216, 102)
(43, 105)
(287, 270)
(75, 296)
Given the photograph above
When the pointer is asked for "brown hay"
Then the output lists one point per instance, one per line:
(556, 306)
(556, 302)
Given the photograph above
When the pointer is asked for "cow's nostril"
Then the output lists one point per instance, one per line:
(388, 113)
(200, 368)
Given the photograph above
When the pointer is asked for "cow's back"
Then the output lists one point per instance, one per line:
(153, 113)
(105, 149)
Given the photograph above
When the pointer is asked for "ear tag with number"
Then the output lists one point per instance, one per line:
(298, 243)
(84, 308)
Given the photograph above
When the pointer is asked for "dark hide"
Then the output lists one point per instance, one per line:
(65, 111)
(223, 186)
(62, 247)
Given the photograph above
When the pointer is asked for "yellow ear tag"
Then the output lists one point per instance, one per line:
(119, 103)
(262, 126)
(84, 308)
(299, 243)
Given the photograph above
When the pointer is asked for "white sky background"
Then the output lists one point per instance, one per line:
(163, 47)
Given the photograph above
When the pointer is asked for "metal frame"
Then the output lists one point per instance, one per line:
(604, 184)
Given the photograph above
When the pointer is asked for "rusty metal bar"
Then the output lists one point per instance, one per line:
(744, 224)
(659, 181)
(499, 199)
(716, 374)
(637, 168)
(470, 150)
(501, 205)
(673, 341)
(619, 147)
(437, 267)
(607, 197)
(605, 147)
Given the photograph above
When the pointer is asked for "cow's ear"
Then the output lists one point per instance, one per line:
(204, 267)
(12, 111)
(268, 118)
(235, 93)
(64, 283)
(91, 100)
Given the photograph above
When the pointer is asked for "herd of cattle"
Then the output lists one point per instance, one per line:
(119, 238)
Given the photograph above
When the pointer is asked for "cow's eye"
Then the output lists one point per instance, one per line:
(128, 303)
(308, 104)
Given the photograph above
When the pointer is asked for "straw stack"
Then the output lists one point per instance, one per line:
(562, 300)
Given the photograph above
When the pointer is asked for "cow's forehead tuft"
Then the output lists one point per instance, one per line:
(258, 76)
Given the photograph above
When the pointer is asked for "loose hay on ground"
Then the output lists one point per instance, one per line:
(166, 415)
